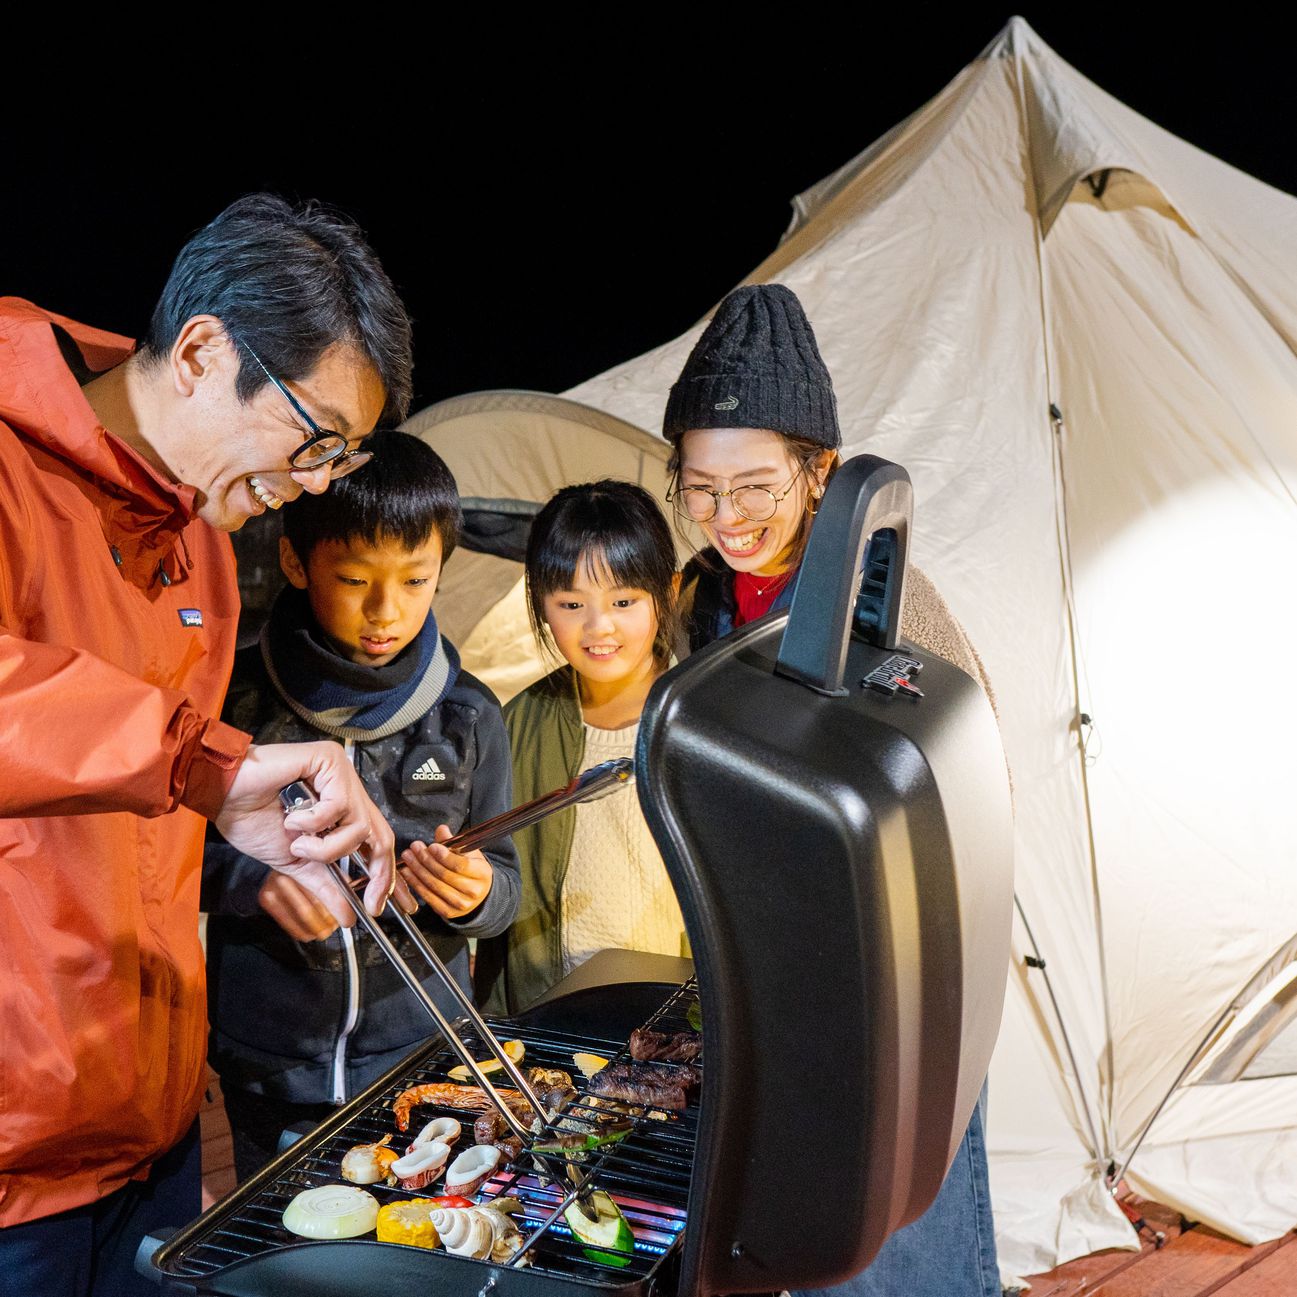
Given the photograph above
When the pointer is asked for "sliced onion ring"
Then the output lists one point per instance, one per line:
(332, 1211)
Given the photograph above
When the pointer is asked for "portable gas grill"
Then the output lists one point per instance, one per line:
(837, 829)
(241, 1246)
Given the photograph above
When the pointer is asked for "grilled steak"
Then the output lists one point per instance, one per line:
(646, 1083)
(655, 1046)
(491, 1128)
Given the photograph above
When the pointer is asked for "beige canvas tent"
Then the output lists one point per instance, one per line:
(1077, 332)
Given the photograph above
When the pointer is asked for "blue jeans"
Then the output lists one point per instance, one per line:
(950, 1250)
(90, 1251)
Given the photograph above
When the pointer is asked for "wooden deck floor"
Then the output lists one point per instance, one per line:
(218, 1151)
(1194, 1261)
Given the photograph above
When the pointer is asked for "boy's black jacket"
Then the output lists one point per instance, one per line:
(277, 1006)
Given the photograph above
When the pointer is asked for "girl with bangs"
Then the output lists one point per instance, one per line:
(601, 583)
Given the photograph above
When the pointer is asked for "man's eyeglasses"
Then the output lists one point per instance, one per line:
(322, 445)
(755, 503)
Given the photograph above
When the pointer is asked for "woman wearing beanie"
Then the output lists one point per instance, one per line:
(754, 425)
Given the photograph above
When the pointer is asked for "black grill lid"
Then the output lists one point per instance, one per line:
(843, 858)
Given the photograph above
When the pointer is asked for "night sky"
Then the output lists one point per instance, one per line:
(549, 201)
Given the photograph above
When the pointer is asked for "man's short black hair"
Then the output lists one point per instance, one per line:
(404, 493)
(289, 282)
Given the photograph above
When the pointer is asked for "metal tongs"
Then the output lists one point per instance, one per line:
(607, 777)
(591, 784)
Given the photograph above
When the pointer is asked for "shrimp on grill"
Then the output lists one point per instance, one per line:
(443, 1094)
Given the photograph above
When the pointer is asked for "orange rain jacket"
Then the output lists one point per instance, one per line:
(117, 630)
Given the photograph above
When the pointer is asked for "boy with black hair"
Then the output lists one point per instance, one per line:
(304, 1014)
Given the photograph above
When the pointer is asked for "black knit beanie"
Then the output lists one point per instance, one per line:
(756, 366)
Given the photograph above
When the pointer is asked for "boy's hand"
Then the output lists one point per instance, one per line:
(295, 909)
(452, 884)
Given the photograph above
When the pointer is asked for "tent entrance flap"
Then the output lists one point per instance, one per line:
(1253, 1021)
(1249, 1045)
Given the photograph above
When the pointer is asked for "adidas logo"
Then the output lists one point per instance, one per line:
(429, 770)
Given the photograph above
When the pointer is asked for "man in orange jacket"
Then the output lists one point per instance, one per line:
(277, 346)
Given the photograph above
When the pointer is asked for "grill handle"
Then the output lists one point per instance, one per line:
(296, 796)
(149, 1244)
(869, 499)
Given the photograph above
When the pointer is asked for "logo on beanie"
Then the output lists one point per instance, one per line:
(729, 403)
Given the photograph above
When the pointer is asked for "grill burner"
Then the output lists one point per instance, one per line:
(242, 1247)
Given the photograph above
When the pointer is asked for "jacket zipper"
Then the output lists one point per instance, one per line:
(566, 863)
(353, 994)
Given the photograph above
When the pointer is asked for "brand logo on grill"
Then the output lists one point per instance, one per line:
(191, 616)
(729, 403)
(430, 770)
(893, 677)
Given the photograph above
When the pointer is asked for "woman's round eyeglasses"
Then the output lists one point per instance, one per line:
(754, 503)
(322, 445)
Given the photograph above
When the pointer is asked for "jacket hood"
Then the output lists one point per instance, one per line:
(41, 400)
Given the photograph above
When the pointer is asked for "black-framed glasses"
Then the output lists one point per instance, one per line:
(322, 445)
(754, 503)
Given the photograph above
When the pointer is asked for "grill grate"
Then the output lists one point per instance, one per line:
(647, 1173)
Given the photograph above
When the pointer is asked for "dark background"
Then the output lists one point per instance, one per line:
(549, 199)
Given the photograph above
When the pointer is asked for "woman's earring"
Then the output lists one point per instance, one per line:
(814, 494)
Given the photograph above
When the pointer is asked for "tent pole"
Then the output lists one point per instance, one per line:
(1281, 956)
(1194, 1059)
(1062, 535)
(1059, 427)
(1039, 963)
